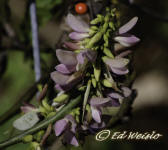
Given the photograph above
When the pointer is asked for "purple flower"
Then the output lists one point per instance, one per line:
(72, 45)
(67, 126)
(27, 108)
(125, 39)
(69, 72)
(96, 104)
(112, 100)
(79, 26)
(117, 65)
(126, 91)
(115, 97)
(68, 61)
(124, 54)
(65, 82)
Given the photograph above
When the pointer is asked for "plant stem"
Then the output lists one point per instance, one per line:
(35, 41)
(43, 124)
(86, 96)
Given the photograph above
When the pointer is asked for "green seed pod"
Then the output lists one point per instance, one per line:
(105, 37)
(108, 32)
(85, 41)
(35, 146)
(51, 114)
(107, 83)
(106, 44)
(61, 98)
(104, 58)
(96, 38)
(94, 82)
(96, 21)
(42, 109)
(46, 105)
(76, 111)
(27, 138)
(92, 32)
(108, 53)
(82, 88)
(95, 28)
(112, 26)
(107, 17)
(113, 12)
(97, 73)
(105, 26)
(38, 136)
(100, 16)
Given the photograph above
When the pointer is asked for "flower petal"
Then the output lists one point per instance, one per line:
(70, 138)
(60, 126)
(73, 122)
(27, 108)
(59, 87)
(120, 71)
(97, 125)
(115, 103)
(78, 36)
(127, 40)
(77, 24)
(99, 102)
(126, 91)
(128, 26)
(90, 55)
(119, 47)
(117, 62)
(66, 57)
(124, 54)
(71, 45)
(59, 78)
(81, 58)
(115, 95)
(65, 69)
(96, 114)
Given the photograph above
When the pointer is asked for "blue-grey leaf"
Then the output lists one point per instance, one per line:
(26, 121)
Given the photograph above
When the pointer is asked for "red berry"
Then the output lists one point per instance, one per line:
(81, 8)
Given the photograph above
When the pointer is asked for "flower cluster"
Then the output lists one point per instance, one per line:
(95, 65)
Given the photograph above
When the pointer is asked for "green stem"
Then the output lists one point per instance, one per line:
(86, 96)
(43, 124)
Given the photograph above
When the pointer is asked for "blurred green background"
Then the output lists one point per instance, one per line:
(151, 58)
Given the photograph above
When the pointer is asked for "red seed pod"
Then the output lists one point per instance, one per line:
(81, 8)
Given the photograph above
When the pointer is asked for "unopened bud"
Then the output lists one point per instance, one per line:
(27, 138)
(108, 53)
(97, 73)
(107, 83)
(61, 98)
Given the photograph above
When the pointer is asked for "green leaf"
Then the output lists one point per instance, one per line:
(27, 121)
